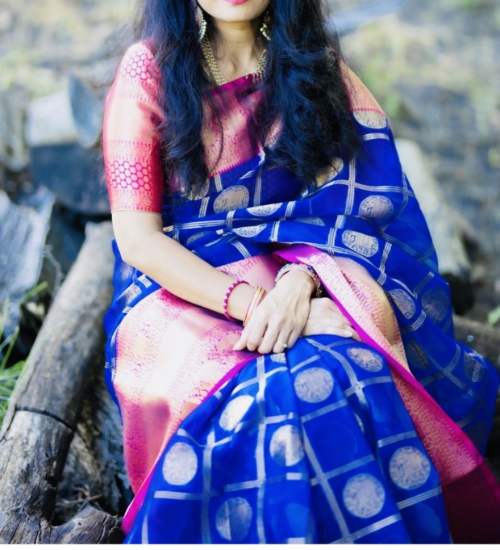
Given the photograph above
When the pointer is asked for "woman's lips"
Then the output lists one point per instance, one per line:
(236, 1)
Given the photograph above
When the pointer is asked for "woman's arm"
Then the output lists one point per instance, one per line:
(134, 173)
(143, 245)
(280, 317)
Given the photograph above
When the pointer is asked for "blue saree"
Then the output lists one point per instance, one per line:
(317, 444)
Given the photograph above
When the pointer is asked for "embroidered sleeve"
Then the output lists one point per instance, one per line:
(131, 140)
(360, 97)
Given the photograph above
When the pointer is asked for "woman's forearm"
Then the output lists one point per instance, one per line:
(143, 245)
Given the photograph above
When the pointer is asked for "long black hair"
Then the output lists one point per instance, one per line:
(303, 89)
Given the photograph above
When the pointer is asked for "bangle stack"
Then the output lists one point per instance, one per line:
(257, 298)
(301, 267)
(231, 287)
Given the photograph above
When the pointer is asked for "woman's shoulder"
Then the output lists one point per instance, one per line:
(138, 74)
(138, 63)
(360, 97)
(365, 108)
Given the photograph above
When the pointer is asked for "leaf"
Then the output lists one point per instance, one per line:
(494, 316)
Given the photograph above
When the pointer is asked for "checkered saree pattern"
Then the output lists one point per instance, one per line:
(298, 448)
(315, 446)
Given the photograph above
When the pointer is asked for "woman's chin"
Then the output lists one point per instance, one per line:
(234, 11)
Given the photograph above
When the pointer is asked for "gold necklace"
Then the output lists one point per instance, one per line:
(214, 69)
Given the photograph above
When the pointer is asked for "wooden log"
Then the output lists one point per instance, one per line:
(95, 466)
(44, 410)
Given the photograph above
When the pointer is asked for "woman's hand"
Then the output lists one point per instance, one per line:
(325, 317)
(281, 317)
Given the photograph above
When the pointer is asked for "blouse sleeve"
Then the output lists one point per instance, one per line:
(131, 139)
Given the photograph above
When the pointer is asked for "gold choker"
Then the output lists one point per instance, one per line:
(214, 69)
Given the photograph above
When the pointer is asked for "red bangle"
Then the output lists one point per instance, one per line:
(232, 286)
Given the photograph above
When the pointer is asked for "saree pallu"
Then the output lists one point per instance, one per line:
(335, 440)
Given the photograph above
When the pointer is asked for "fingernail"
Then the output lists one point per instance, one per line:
(348, 333)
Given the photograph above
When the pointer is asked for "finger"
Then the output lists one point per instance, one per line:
(282, 343)
(256, 332)
(273, 333)
(312, 328)
(294, 336)
(241, 344)
(357, 337)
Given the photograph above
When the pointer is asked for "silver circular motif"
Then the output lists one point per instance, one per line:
(473, 368)
(265, 209)
(360, 243)
(250, 231)
(409, 468)
(313, 385)
(364, 496)
(279, 358)
(416, 355)
(233, 519)
(376, 206)
(436, 303)
(234, 412)
(286, 446)
(366, 359)
(180, 464)
(232, 198)
(404, 302)
(371, 119)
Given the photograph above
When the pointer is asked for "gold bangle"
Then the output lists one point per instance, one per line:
(258, 296)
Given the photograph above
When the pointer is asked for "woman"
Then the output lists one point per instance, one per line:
(253, 179)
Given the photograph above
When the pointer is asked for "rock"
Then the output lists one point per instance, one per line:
(61, 131)
(23, 230)
(439, 215)
(50, 121)
(13, 150)
(87, 111)
(446, 234)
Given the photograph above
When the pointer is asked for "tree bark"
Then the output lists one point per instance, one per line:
(44, 410)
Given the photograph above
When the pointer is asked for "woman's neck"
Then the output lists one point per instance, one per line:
(236, 49)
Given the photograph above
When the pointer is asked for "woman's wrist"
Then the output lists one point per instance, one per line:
(239, 300)
(302, 268)
(297, 280)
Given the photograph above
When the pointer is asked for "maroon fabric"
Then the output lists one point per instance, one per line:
(473, 507)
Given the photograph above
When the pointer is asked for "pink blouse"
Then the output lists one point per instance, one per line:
(131, 137)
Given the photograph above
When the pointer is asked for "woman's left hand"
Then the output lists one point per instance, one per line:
(325, 317)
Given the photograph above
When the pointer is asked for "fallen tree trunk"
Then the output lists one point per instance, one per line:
(45, 408)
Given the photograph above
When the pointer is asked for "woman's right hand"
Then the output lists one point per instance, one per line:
(280, 318)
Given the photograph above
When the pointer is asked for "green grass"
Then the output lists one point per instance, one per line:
(10, 375)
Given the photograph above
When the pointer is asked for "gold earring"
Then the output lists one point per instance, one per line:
(202, 23)
(265, 29)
